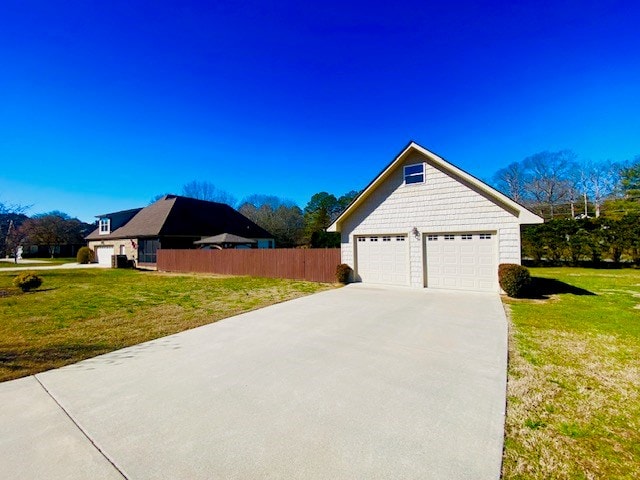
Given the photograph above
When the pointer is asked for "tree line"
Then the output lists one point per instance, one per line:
(558, 185)
(592, 210)
(50, 230)
(585, 240)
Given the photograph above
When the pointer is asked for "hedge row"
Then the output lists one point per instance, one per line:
(585, 240)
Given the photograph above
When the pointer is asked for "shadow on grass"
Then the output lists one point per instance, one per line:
(543, 288)
(16, 362)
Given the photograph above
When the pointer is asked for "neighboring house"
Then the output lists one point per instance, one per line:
(171, 222)
(422, 222)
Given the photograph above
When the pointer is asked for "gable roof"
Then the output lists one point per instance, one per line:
(524, 215)
(224, 238)
(174, 215)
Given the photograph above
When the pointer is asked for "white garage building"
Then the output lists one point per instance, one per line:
(422, 222)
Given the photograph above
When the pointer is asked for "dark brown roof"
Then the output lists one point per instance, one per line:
(173, 215)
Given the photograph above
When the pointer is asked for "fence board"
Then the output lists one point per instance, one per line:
(315, 265)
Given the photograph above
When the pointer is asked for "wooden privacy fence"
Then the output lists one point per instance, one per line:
(315, 265)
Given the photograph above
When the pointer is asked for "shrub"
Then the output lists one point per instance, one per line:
(85, 255)
(343, 273)
(27, 281)
(513, 278)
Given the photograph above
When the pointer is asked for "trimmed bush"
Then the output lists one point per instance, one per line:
(85, 255)
(343, 273)
(27, 281)
(513, 278)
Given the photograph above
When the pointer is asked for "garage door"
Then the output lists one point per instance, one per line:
(383, 259)
(465, 261)
(103, 255)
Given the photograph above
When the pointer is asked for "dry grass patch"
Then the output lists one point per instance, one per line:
(83, 313)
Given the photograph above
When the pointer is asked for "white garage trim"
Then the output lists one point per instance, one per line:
(103, 254)
(462, 261)
(382, 259)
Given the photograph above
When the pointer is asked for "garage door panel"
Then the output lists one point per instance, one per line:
(103, 254)
(467, 283)
(382, 259)
(467, 270)
(463, 261)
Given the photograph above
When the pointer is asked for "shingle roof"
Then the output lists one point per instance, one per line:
(173, 215)
(224, 238)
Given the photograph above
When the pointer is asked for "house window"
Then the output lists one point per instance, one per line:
(485, 236)
(467, 237)
(386, 239)
(449, 237)
(432, 238)
(105, 226)
(414, 173)
(373, 239)
(399, 238)
(362, 239)
(147, 249)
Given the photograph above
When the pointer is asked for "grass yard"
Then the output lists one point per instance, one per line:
(573, 400)
(37, 262)
(78, 314)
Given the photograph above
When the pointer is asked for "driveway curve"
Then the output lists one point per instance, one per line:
(360, 382)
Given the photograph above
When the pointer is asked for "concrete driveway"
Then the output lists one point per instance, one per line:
(356, 383)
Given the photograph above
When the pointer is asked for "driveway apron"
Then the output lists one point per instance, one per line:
(360, 382)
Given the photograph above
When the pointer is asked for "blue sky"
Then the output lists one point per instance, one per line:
(104, 105)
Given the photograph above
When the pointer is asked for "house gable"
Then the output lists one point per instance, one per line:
(413, 154)
(437, 204)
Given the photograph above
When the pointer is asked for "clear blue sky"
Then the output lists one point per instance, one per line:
(103, 105)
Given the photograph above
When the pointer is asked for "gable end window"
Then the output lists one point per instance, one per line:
(105, 226)
(414, 173)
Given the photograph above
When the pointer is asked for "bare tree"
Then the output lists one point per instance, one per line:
(9, 208)
(549, 174)
(11, 217)
(602, 180)
(273, 201)
(281, 217)
(204, 190)
(15, 239)
(52, 229)
(512, 181)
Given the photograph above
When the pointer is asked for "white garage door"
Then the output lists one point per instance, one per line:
(383, 259)
(103, 255)
(462, 261)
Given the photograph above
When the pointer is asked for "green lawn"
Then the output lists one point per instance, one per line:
(78, 314)
(573, 409)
